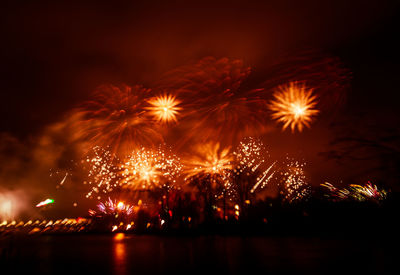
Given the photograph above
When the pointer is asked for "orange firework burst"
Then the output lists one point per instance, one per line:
(216, 103)
(116, 118)
(146, 169)
(294, 106)
(327, 75)
(164, 108)
(209, 159)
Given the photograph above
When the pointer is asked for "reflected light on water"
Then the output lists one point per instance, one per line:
(119, 254)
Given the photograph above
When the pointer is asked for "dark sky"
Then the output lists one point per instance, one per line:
(54, 54)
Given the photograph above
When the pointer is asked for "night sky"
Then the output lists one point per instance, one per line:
(53, 55)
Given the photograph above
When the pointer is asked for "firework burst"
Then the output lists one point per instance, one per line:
(113, 208)
(147, 169)
(103, 172)
(294, 106)
(209, 169)
(295, 184)
(327, 75)
(356, 192)
(251, 166)
(209, 158)
(164, 108)
(368, 192)
(217, 104)
(116, 118)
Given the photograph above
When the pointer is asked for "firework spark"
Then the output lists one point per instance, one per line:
(164, 108)
(294, 106)
(103, 172)
(250, 162)
(295, 183)
(146, 169)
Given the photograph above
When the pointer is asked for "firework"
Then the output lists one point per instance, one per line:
(295, 183)
(113, 208)
(103, 172)
(326, 74)
(146, 169)
(209, 170)
(45, 202)
(251, 164)
(336, 193)
(369, 192)
(116, 118)
(164, 108)
(294, 106)
(209, 159)
(216, 104)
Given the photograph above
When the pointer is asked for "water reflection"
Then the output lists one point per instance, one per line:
(119, 254)
(143, 254)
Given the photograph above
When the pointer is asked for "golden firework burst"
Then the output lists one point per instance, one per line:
(147, 169)
(209, 159)
(294, 106)
(164, 108)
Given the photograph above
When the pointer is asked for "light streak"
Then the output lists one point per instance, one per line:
(45, 202)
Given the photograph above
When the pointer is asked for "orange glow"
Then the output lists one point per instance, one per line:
(119, 236)
(294, 106)
(120, 254)
(164, 108)
(120, 205)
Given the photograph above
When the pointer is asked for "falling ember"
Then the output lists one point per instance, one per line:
(164, 108)
(45, 202)
(294, 106)
(63, 180)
